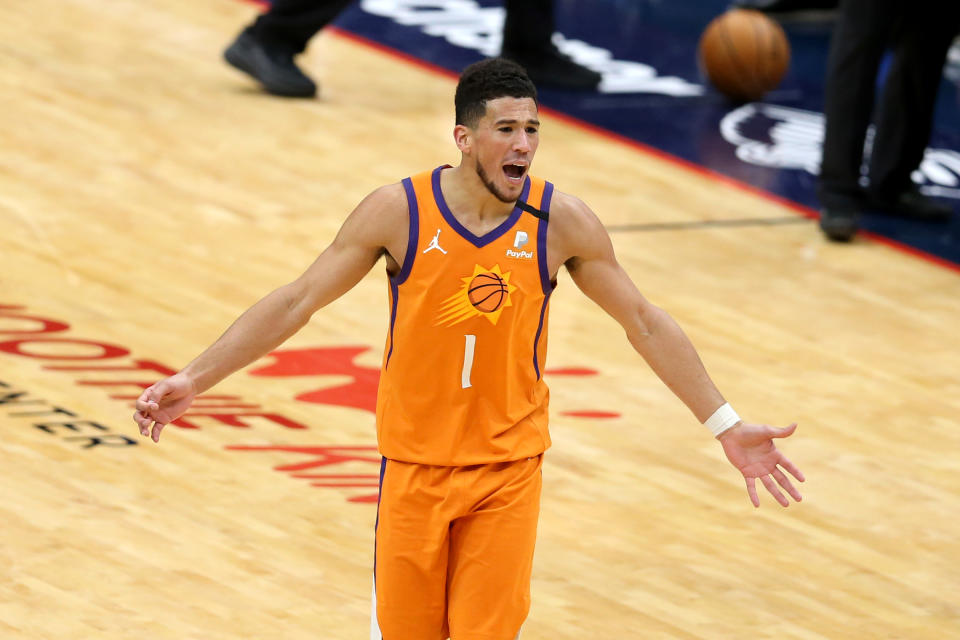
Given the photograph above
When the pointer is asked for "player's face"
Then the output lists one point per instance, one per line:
(504, 143)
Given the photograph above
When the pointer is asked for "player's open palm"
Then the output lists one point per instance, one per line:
(750, 448)
(162, 403)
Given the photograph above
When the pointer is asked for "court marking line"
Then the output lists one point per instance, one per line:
(706, 224)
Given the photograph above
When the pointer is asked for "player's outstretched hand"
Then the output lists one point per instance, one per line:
(162, 403)
(750, 448)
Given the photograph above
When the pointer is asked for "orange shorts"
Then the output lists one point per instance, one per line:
(454, 550)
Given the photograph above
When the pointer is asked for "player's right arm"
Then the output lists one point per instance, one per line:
(377, 227)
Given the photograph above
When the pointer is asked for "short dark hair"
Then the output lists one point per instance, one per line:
(488, 80)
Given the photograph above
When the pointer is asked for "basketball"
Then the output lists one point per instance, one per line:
(744, 54)
(486, 292)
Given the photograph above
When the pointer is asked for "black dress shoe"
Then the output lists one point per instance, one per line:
(550, 68)
(839, 224)
(913, 204)
(271, 65)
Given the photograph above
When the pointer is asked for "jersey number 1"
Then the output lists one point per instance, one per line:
(468, 348)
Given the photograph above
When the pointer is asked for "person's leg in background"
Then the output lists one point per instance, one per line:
(266, 49)
(906, 112)
(786, 6)
(860, 36)
(527, 39)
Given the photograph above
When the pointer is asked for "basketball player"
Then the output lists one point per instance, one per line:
(472, 255)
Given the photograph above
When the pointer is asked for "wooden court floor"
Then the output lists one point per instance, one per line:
(149, 194)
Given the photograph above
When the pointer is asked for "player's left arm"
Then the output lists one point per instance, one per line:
(588, 255)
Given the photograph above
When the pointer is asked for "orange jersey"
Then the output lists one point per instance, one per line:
(462, 377)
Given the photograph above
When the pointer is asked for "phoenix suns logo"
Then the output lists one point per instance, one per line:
(484, 293)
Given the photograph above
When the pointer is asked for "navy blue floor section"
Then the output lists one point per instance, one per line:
(653, 92)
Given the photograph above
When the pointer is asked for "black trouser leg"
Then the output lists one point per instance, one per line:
(906, 112)
(291, 23)
(860, 35)
(528, 26)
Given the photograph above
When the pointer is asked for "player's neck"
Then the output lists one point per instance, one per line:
(470, 200)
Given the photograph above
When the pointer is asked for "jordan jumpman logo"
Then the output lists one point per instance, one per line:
(435, 244)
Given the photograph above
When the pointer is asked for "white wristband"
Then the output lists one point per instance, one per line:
(722, 419)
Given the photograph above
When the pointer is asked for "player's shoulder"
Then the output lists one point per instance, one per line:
(380, 218)
(389, 198)
(575, 230)
(567, 204)
(570, 214)
(383, 206)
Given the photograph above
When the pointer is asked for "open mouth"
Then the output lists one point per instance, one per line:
(514, 171)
